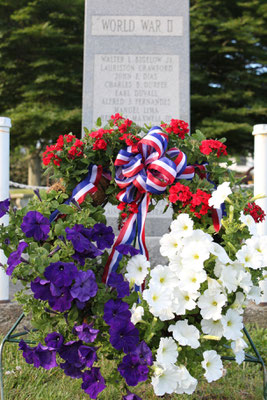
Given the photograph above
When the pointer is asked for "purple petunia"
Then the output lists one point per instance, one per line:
(85, 332)
(144, 353)
(88, 355)
(127, 249)
(103, 236)
(4, 207)
(39, 356)
(117, 282)
(41, 289)
(131, 396)
(71, 370)
(15, 258)
(132, 371)
(35, 225)
(61, 273)
(93, 382)
(116, 313)
(61, 298)
(54, 340)
(124, 338)
(85, 286)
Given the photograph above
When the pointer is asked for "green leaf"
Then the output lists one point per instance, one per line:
(65, 209)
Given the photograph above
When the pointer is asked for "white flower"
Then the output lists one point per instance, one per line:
(182, 226)
(183, 300)
(195, 255)
(163, 276)
(211, 303)
(137, 269)
(164, 379)
(249, 222)
(254, 294)
(213, 365)
(212, 327)
(137, 313)
(176, 265)
(228, 278)
(232, 325)
(167, 352)
(159, 301)
(220, 253)
(186, 383)
(169, 244)
(190, 279)
(244, 281)
(198, 237)
(184, 334)
(238, 304)
(238, 347)
(249, 258)
(259, 244)
(219, 195)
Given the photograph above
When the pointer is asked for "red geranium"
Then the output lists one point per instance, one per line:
(178, 127)
(207, 146)
(100, 144)
(255, 211)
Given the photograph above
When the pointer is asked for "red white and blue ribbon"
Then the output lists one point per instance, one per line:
(88, 185)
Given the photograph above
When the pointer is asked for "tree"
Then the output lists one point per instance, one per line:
(228, 49)
(41, 53)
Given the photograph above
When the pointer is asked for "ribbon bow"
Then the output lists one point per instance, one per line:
(143, 170)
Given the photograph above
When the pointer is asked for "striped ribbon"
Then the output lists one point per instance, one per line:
(88, 185)
(140, 172)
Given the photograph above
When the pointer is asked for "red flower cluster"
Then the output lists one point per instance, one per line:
(131, 208)
(207, 146)
(198, 202)
(76, 149)
(255, 211)
(100, 144)
(100, 133)
(49, 155)
(116, 117)
(178, 127)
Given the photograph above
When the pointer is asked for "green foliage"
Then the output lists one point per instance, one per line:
(228, 45)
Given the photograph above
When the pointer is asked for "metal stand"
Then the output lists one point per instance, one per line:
(14, 339)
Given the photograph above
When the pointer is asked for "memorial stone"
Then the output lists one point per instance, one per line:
(136, 60)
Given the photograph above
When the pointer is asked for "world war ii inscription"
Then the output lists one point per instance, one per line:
(136, 61)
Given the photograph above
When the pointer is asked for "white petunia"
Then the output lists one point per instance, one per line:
(220, 253)
(212, 364)
(137, 269)
(182, 226)
(259, 244)
(185, 334)
(248, 220)
(159, 301)
(183, 300)
(254, 294)
(239, 303)
(170, 245)
(244, 281)
(193, 256)
(228, 278)
(186, 382)
(238, 347)
(249, 258)
(219, 195)
(232, 325)
(211, 303)
(190, 279)
(164, 379)
(198, 237)
(176, 265)
(212, 327)
(163, 276)
(167, 352)
(137, 313)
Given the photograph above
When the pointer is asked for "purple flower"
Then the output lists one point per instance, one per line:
(87, 355)
(81, 241)
(4, 207)
(15, 258)
(54, 340)
(132, 371)
(85, 332)
(85, 286)
(41, 289)
(61, 298)
(93, 382)
(103, 236)
(116, 313)
(69, 352)
(70, 370)
(117, 282)
(39, 356)
(124, 338)
(61, 273)
(131, 396)
(35, 225)
(127, 248)
(144, 353)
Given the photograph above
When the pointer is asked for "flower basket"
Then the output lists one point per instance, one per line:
(94, 297)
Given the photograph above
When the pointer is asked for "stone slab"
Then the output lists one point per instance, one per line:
(136, 60)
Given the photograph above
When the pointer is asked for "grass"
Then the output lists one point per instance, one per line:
(24, 382)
